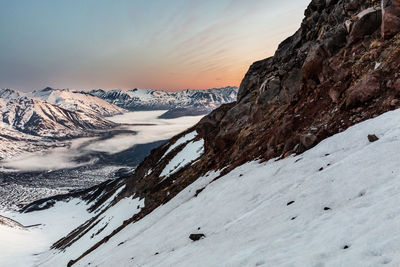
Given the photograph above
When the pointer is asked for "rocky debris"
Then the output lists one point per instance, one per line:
(327, 208)
(346, 247)
(372, 138)
(367, 88)
(196, 237)
(390, 18)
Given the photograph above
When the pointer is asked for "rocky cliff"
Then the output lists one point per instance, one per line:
(341, 67)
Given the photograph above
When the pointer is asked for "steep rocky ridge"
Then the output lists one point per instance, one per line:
(341, 67)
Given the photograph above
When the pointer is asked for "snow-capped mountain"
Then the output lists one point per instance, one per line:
(40, 118)
(195, 102)
(76, 101)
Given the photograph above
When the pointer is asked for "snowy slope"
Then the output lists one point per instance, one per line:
(77, 101)
(248, 219)
(334, 205)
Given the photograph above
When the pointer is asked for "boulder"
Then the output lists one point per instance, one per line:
(312, 66)
(362, 91)
(367, 22)
(390, 18)
(291, 83)
(269, 89)
(308, 140)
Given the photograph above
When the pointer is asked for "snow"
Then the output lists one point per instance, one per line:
(77, 101)
(246, 218)
(180, 141)
(158, 99)
(191, 152)
(247, 222)
(20, 247)
(107, 222)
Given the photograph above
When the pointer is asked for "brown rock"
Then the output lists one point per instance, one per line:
(308, 140)
(352, 6)
(390, 18)
(313, 64)
(334, 95)
(394, 102)
(368, 21)
(364, 90)
(372, 138)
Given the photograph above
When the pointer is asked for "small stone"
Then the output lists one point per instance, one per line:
(346, 247)
(289, 203)
(308, 140)
(327, 208)
(372, 138)
(293, 218)
(394, 102)
(196, 237)
(320, 169)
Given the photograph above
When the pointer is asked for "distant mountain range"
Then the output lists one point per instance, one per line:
(182, 103)
(37, 119)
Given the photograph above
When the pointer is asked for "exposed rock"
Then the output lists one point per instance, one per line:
(196, 237)
(269, 90)
(308, 140)
(368, 21)
(313, 64)
(352, 5)
(364, 90)
(372, 138)
(390, 17)
(394, 102)
(396, 86)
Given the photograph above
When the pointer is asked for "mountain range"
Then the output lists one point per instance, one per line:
(301, 170)
(182, 103)
(38, 118)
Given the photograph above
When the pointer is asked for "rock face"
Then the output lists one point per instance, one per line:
(335, 71)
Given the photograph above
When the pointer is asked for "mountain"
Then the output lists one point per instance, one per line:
(76, 101)
(40, 118)
(187, 102)
(301, 170)
(28, 124)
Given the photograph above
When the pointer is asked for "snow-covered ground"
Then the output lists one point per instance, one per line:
(334, 205)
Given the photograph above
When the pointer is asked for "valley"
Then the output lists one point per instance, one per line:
(84, 162)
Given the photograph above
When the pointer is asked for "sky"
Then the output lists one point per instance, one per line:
(158, 44)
